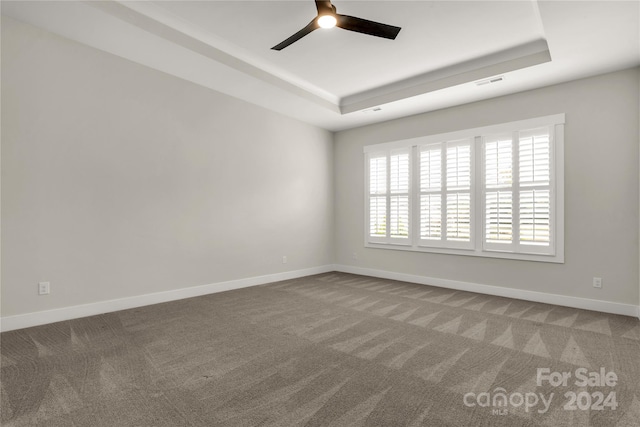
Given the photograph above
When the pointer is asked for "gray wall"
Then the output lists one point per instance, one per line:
(601, 190)
(118, 180)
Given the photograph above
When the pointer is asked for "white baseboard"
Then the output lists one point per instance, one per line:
(20, 321)
(575, 302)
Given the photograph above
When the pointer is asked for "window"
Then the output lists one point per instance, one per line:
(389, 196)
(445, 176)
(495, 191)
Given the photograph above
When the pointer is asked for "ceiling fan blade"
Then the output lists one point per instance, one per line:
(297, 36)
(324, 7)
(364, 26)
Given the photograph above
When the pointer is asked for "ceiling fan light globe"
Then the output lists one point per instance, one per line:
(327, 21)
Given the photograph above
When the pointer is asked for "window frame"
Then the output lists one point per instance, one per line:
(388, 239)
(416, 243)
(445, 191)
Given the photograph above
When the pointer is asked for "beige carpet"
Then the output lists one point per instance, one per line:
(327, 350)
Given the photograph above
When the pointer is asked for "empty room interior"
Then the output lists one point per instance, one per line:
(320, 213)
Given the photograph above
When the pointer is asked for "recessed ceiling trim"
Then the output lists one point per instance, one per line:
(587, 38)
(516, 58)
(163, 24)
(168, 32)
(155, 21)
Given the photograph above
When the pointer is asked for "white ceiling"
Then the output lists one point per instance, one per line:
(330, 76)
(345, 62)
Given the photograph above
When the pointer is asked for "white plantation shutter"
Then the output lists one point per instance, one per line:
(431, 216)
(445, 194)
(378, 175)
(495, 191)
(431, 192)
(498, 192)
(459, 217)
(535, 189)
(389, 196)
(378, 195)
(535, 157)
(378, 216)
(459, 165)
(535, 227)
(517, 192)
(458, 193)
(499, 217)
(399, 197)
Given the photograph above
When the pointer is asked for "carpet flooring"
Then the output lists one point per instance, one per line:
(328, 350)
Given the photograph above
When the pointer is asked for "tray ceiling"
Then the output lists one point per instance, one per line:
(338, 79)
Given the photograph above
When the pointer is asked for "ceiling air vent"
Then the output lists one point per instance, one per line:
(489, 81)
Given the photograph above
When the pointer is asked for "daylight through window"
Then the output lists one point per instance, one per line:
(495, 191)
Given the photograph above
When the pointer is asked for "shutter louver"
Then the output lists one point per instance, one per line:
(431, 216)
(534, 217)
(459, 167)
(431, 169)
(399, 200)
(535, 159)
(499, 202)
(535, 194)
(377, 197)
(378, 216)
(499, 217)
(430, 196)
(459, 217)
(378, 175)
(458, 170)
(399, 216)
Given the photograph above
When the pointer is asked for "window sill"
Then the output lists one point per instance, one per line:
(557, 258)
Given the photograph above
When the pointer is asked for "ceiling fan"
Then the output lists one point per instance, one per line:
(329, 18)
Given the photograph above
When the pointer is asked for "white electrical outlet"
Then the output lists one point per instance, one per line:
(355, 255)
(284, 259)
(44, 288)
(597, 282)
